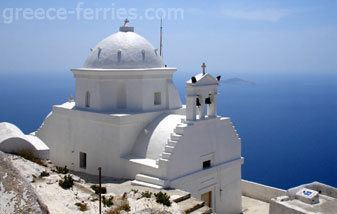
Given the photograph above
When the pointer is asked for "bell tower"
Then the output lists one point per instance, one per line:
(201, 96)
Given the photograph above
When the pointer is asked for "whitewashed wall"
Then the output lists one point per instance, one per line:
(131, 89)
(105, 138)
(217, 140)
(260, 191)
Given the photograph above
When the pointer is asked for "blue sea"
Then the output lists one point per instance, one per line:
(287, 121)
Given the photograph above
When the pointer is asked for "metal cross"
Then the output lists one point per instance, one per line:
(203, 68)
(126, 21)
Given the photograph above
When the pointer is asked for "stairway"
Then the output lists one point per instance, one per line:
(149, 181)
(192, 205)
(154, 182)
(174, 139)
(183, 199)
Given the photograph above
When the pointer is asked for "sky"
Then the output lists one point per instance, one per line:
(229, 35)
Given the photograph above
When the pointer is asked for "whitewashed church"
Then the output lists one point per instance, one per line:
(128, 119)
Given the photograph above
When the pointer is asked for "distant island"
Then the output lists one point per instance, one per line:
(238, 81)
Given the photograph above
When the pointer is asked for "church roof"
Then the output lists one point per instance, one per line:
(203, 79)
(151, 142)
(124, 50)
(10, 135)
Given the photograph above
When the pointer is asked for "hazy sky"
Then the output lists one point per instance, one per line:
(283, 35)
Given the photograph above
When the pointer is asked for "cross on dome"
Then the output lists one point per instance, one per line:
(126, 27)
(126, 22)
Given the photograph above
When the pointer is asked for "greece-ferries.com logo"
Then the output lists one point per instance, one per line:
(80, 12)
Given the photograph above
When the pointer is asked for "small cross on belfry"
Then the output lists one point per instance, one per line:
(126, 21)
(203, 68)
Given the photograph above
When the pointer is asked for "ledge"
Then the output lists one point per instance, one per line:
(260, 192)
(78, 72)
(204, 172)
(142, 161)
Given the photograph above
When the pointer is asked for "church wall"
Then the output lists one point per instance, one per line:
(150, 87)
(134, 92)
(109, 90)
(91, 86)
(229, 190)
(105, 95)
(215, 140)
(68, 135)
(106, 139)
(100, 141)
(53, 132)
(174, 100)
(224, 185)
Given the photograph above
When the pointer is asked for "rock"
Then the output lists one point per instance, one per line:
(16, 193)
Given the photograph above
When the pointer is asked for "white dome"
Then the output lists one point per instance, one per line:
(124, 50)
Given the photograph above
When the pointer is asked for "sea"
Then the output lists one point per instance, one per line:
(287, 121)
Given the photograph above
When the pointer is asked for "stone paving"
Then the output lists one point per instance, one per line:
(253, 206)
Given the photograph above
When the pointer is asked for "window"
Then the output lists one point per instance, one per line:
(206, 164)
(83, 160)
(157, 98)
(119, 55)
(87, 99)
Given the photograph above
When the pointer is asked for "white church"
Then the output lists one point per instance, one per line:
(128, 118)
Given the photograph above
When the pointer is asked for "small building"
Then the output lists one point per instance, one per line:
(128, 119)
(306, 199)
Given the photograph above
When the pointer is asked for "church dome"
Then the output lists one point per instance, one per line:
(124, 50)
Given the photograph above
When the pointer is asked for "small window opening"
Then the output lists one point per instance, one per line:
(143, 55)
(206, 164)
(99, 52)
(119, 55)
(157, 98)
(83, 160)
(208, 101)
(87, 99)
(198, 102)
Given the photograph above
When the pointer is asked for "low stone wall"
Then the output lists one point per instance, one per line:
(277, 208)
(260, 192)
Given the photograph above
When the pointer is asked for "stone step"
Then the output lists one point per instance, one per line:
(178, 131)
(180, 128)
(150, 179)
(171, 142)
(162, 163)
(191, 204)
(179, 198)
(144, 184)
(166, 155)
(169, 149)
(202, 210)
(176, 137)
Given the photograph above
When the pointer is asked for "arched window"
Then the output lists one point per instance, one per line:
(87, 99)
